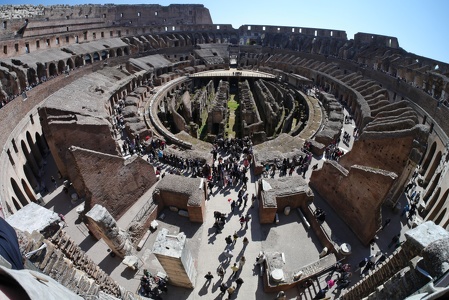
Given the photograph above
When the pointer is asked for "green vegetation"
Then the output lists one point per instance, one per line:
(232, 126)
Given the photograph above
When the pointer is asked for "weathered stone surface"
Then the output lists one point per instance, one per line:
(103, 224)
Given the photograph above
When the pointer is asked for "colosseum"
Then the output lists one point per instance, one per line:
(145, 146)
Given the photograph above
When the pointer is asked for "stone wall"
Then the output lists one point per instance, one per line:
(64, 261)
(110, 181)
(356, 195)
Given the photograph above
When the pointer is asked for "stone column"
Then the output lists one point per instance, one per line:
(175, 258)
(103, 224)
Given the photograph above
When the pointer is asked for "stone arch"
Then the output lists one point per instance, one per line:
(126, 51)
(111, 53)
(87, 59)
(52, 71)
(428, 159)
(431, 189)
(30, 159)
(41, 144)
(79, 62)
(30, 177)
(61, 66)
(431, 171)
(28, 191)
(41, 71)
(70, 63)
(96, 56)
(434, 210)
(18, 192)
(431, 202)
(119, 52)
(31, 76)
(440, 216)
(16, 203)
(104, 55)
(34, 150)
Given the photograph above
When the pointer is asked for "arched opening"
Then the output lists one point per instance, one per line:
(126, 50)
(431, 189)
(87, 59)
(52, 69)
(79, 62)
(70, 63)
(440, 217)
(104, 55)
(439, 205)
(30, 159)
(41, 72)
(61, 66)
(31, 75)
(18, 193)
(30, 177)
(431, 202)
(41, 144)
(111, 53)
(432, 169)
(16, 204)
(119, 52)
(96, 56)
(34, 151)
(428, 158)
(28, 191)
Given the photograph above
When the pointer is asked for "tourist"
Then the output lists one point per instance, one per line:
(235, 236)
(221, 271)
(223, 288)
(245, 242)
(208, 277)
(231, 291)
(242, 262)
(239, 281)
(234, 269)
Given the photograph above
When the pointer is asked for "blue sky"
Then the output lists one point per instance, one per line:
(420, 26)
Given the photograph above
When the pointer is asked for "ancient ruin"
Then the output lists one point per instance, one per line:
(120, 116)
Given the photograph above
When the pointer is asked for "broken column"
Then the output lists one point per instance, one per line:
(103, 225)
(175, 258)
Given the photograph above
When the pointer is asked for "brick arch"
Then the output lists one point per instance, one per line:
(431, 171)
(18, 192)
(428, 158)
(441, 216)
(52, 71)
(16, 204)
(28, 191)
(434, 210)
(61, 66)
(431, 189)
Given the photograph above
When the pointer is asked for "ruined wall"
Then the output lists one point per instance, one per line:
(249, 115)
(64, 261)
(110, 181)
(66, 131)
(356, 195)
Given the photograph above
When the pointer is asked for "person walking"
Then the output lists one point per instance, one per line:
(242, 262)
(223, 288)
(231, 291)
(235, 236)
(239, 281)
(209, 278)
(221, 272)
(234, 269)
(245, 242)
